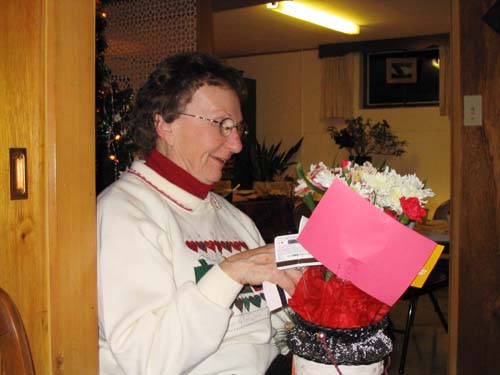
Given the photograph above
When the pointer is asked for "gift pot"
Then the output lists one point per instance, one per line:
(303, 366)
(318, 349)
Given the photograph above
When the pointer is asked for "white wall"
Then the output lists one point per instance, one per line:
(288, 102)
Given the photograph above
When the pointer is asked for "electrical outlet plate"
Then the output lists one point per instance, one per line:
(473, 111)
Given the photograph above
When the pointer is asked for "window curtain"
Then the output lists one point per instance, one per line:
(444, 81)
(337, 87)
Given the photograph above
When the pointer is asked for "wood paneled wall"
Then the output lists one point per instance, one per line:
(204, 26)
(475, 297)
(47, 249)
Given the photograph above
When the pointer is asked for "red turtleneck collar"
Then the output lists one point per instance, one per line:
(176, 175)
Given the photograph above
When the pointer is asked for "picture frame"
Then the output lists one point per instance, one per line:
(403, 78)
(401, 70)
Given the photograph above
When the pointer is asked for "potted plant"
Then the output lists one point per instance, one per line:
(269, 164)
(363, 139)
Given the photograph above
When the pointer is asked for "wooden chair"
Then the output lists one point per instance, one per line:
(15, 353)
(443, 211)
(438, 279)
(299, 211)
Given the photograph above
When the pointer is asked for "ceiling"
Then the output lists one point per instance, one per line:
(251, 30)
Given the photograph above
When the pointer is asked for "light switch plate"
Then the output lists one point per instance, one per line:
(473, 111)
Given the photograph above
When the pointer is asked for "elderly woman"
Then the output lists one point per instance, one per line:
(180, 268)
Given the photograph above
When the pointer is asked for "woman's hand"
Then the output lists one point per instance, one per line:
(258, 265)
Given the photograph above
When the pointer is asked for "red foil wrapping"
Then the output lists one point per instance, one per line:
(334, 303)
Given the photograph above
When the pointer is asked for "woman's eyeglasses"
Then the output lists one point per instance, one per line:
(225, 125)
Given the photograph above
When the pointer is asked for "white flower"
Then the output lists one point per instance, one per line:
(382, 188)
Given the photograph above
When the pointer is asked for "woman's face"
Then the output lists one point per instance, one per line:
(197, 145)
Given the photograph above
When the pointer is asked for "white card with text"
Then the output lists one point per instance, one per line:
(291, 254)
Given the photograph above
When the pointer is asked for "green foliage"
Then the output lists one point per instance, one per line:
(363, 139)
(269, 163)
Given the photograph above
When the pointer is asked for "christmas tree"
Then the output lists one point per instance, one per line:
(112, 105)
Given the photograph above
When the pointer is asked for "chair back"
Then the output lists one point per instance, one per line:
(299, 211)
(15, 353)
(443, 211)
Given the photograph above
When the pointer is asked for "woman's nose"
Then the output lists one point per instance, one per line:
(234, 142)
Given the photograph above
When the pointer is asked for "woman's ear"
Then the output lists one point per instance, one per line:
(163, 128)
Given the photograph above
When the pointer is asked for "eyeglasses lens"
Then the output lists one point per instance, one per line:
(227, 125)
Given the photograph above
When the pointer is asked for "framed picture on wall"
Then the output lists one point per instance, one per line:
(401, 70)
(401, 78)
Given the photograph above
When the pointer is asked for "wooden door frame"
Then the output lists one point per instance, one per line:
(475, 213)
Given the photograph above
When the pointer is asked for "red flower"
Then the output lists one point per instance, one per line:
(335, 303)
(412, 208)
(345, 164)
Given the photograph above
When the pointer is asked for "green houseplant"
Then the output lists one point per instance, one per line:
(363, 139)
(268, 162)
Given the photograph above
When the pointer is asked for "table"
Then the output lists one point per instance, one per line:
(436, 230)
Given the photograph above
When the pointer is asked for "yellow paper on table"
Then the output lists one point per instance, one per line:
(424, 273)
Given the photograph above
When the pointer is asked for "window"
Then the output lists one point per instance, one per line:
(401, 78)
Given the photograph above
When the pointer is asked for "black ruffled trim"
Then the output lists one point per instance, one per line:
(349, 346)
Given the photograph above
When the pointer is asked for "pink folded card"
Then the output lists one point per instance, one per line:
(361, 243)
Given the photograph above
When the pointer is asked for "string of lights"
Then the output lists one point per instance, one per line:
(113, 104)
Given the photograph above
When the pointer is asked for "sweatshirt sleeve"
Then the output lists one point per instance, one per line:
(151, 326)
(279, 320)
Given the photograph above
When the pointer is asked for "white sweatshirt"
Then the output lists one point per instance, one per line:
(165, 306)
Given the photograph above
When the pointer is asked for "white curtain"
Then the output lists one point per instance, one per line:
(337, 87)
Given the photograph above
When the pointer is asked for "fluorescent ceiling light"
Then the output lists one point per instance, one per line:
(318, 17)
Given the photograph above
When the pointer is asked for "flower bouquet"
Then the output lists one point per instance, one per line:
(334, 322)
